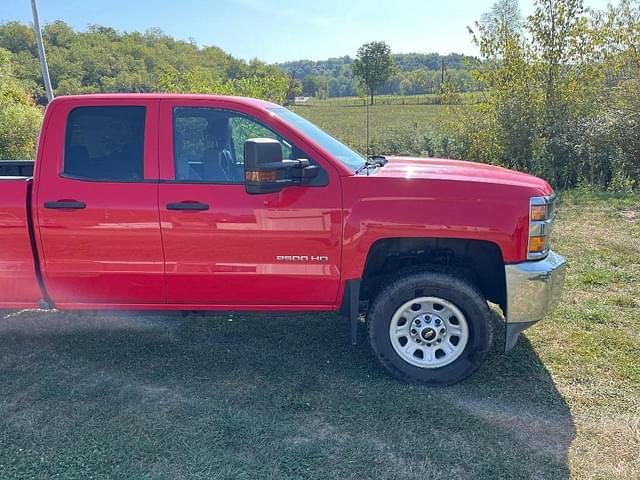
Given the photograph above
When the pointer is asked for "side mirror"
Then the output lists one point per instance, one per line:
(266, 172)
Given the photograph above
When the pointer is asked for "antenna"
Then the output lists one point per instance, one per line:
(43, 57)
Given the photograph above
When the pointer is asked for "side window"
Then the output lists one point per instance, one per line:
(243, 128)
(105, 143)
(189, 144)
(208, 144)
(202, 147)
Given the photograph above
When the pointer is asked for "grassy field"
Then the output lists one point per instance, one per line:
(136, 396)
(393, 128)
(424, 99)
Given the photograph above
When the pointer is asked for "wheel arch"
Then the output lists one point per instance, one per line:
(479, 261)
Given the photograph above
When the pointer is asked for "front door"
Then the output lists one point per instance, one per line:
(97, 203)
(225, 247)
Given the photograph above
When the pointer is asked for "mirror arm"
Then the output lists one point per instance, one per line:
(284, 165)
(301, 171)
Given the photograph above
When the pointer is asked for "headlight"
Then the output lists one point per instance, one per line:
(542, 211)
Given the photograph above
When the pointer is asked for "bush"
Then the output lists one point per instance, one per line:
(267, 86)
(562, 94)
(19, 116)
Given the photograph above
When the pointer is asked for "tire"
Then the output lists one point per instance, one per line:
(442, 298)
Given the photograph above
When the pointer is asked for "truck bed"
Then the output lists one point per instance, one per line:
(18, 283)
(16, 168)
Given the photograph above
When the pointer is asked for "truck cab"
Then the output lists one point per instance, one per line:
(196, 202)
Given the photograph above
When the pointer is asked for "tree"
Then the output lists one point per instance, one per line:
(314, 86)
(309, 86)
(560, 93)
(373, 65)
(563, 44)
(504, 15)
(293, 90)
(269, 87)
(102, 59)
(19, 116)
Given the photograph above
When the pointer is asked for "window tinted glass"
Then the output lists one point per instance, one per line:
(243, 128)
(105, 143)
(208, 144)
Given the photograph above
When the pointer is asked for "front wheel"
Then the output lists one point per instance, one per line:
(430, 328)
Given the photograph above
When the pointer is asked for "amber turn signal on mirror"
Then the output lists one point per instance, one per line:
(269, 176)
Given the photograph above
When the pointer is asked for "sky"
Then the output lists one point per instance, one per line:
(280, 30)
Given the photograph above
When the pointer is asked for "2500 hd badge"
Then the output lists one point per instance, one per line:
(302, 258)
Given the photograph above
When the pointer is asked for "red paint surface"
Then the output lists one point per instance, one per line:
(18, 284)
(126, 250)
(111, 251)
(228, 254)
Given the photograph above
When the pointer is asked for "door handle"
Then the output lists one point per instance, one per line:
(65, 204)
(188, 206)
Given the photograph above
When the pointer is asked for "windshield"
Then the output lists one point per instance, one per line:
(350, 158)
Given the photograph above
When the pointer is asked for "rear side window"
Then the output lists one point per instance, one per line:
(105, 143)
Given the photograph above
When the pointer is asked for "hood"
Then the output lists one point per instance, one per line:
(444, 169)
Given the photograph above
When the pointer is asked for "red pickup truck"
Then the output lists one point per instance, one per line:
(195, 202)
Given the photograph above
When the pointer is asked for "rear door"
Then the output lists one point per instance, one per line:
(96, 203)
(226, 247)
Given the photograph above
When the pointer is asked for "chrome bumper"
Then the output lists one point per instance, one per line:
(533, 290)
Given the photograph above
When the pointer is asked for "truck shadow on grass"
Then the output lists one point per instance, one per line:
(141, 395)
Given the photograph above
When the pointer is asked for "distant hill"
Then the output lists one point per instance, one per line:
(406, 62)
(102, 59)
(418, 73)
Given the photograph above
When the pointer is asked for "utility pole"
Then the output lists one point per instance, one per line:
(442, 76)
(368, 149)
(43, 57)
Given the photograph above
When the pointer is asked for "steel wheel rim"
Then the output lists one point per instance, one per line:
(429, 332)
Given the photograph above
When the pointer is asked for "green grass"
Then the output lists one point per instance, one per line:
(423, 99)
(141, 395)
(392, 127)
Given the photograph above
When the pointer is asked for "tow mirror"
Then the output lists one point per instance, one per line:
(266, 172)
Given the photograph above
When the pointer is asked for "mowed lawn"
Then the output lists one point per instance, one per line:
(270, 396)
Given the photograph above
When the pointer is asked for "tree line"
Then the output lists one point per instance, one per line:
(560, 93)
(102, 59)
(414, 74)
